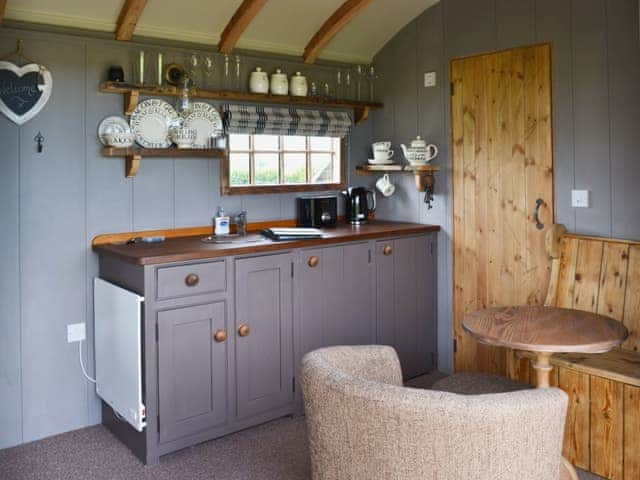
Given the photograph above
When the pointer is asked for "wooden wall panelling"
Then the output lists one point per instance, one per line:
(551, 24)
(567, 276)
(587, 277)
(631, 432)
(623, 61)
(613, 280)
(632, 300)
(515, 23)
(10, 342)
(606, 428)
(576, 437)
(591, 114)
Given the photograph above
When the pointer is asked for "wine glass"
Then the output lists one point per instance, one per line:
(226, 73)
(359, 81)
(208, 65)
(193, 64)
(237, 71)
(372, 78)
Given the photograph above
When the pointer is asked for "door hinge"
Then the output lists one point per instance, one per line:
(158, 423)
(431, 247)
(455, 345)
(369, 255)
(291, 269)
(157, 333)
(293, 384)
(453, 89)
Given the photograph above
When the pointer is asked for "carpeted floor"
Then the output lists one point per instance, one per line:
(274, 451)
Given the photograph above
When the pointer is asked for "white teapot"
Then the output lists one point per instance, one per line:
(418, 152)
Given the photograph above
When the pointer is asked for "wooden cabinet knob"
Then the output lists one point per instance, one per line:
(220, 336)
(192, 280)
(313, 261)
(244, 330)
(387, 250)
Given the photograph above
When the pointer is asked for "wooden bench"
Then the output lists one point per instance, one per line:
(603, 422)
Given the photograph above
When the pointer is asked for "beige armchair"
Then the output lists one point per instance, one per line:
(364, 425)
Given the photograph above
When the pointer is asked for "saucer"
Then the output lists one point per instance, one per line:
(373, 161)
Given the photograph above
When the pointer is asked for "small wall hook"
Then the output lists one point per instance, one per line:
(39, 139)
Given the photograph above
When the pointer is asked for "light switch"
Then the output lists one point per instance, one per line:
(580, 198)
(75, 332)
(430, 79)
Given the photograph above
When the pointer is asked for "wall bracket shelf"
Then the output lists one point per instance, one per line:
(424, 176)
(132, 92)
(133, 156)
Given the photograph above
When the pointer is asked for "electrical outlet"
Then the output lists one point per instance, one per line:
(430, 79)
(580, 198)
(76, 332)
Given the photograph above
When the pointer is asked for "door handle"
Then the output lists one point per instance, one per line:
(313, 261)
(539, 224)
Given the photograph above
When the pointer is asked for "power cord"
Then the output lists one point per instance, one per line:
(84, 371)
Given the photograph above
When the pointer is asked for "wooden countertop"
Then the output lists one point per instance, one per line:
(193, 248)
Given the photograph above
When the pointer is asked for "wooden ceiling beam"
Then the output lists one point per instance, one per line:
(3, 6)
(336, 22)
(244, 15)
(128, 19)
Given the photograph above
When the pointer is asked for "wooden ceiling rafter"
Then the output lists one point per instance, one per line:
(244, 15)
(128, 19)
(3, 7)
(336, 22)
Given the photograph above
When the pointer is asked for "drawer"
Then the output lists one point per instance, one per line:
(192, 279)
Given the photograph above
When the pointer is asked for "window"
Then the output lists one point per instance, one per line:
(280, 163)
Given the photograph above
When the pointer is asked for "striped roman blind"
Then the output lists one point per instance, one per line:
(258, 119)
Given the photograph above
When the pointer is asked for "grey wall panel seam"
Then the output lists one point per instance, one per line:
(86, 220)
(573, 106)
(610, 119)
(20, 296)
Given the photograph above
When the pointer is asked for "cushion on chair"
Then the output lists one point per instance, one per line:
(477, 384)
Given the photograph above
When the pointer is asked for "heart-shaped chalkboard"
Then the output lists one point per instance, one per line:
(24, 91)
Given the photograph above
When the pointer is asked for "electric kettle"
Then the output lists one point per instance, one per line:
(360, 202)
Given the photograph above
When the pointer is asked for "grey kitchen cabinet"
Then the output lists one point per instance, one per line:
(405, 298)
(336, 297)
(273, 307)
(264, 329)
(192, 369)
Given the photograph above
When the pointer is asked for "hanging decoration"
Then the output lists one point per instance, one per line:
(24, 90)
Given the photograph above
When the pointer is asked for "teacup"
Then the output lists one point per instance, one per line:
(385, 186)
(382, 155)
(380, 146)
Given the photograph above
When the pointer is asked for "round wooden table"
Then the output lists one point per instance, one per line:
(545, 331)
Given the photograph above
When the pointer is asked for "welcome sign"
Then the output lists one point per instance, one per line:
(24, 91)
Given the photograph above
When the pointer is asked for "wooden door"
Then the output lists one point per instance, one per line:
(264, 351)
(502, 165)
(405, 283)
(192, 370)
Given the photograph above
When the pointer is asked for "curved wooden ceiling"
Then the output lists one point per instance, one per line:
(277, 26)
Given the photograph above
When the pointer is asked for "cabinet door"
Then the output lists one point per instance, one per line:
(192, 370)
(336, 297)
(405, 281)
(264, 355)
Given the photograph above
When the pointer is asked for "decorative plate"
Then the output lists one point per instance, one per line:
(151, 121)
(207, 122)
(113, 124)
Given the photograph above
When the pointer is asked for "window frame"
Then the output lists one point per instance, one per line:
(227, 189)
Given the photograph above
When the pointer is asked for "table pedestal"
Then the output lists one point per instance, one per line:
(542, 366)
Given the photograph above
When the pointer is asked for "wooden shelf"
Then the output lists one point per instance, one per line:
(133, 91)
(133, 156)
(368, 169)
(423, 175)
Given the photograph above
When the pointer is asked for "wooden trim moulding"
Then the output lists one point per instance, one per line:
(3, 7)
(241, 19)
(336, 22)
(124, 237)
(128, 19)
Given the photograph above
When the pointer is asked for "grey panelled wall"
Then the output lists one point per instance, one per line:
(596, 83)
(52, 205)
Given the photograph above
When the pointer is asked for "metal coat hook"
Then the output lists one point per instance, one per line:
(39, 139)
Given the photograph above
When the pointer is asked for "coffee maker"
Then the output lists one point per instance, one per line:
(360, 202)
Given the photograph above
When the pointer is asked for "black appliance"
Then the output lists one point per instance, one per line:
(318, 211)
(360, 202)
